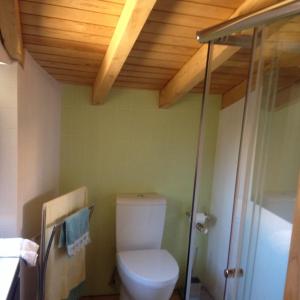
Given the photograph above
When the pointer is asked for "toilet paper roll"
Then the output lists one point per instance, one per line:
(201, 218)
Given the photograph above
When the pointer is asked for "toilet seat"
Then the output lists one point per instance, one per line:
(155, 267)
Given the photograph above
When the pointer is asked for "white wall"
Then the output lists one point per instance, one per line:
(39, 107)
(8, 150)
(30, 106)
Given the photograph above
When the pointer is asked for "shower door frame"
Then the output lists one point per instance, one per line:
(197, 175)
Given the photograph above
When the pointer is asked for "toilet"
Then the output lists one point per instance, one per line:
(147, 272)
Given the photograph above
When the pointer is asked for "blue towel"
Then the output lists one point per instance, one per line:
(74, 234)
(77, 292)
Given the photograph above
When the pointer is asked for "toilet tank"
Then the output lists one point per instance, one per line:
(140, 221)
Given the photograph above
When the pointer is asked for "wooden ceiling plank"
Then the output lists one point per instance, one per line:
(235, 64)
(105, 7)
(10, 29)
(194, 70)
(225, 87)
(169, 40)
(66, 25)
(64, 59)
(66, 13)
(218, 90)
(227, 81)
(154, 63)
(65, 35)
(148, 69)
(155, 47)
(135, 85)
(235, 94)
(65, 52)
(130, 24)
(73, 82)
(157, 55)
(194, 9)
(66, 66)
(144, 74)
(240, 57)
(53, 70)
(72, 45)
(232, 70)
(229, 76)
(179, 19)
(170, 29)
(72, 79)
(140, 80)
(234, 4)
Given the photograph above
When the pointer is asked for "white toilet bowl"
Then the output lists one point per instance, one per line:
(147, 274)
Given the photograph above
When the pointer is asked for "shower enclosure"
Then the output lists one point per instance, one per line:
(248, 160)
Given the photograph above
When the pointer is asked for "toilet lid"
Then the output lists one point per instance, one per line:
(154, 267)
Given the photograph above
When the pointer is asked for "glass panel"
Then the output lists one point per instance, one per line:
(221, 127)
(244, 168)
(275, 162)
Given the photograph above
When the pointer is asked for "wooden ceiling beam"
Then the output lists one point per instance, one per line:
(10, 29)
(193, 71)
(133, 17)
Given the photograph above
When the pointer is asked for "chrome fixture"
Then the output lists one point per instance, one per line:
(231, 273)
(270, 14)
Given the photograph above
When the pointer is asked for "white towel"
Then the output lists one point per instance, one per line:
(18, 247)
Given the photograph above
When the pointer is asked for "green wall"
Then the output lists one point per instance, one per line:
(129, 145)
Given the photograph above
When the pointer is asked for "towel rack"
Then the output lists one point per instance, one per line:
(44, 251)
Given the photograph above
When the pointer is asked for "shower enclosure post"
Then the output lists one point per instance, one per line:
(198, 174)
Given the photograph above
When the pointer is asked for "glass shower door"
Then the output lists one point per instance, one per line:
(248, 166)
(268, 192)
(218, 158)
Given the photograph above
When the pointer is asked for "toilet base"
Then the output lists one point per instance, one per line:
(164, 294)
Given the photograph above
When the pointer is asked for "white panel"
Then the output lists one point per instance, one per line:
(271, 260)
(225, 169)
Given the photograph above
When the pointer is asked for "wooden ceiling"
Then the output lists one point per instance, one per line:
(69, 38)
(147, 44)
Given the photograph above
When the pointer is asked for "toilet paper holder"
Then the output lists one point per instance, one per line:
(202, 221)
